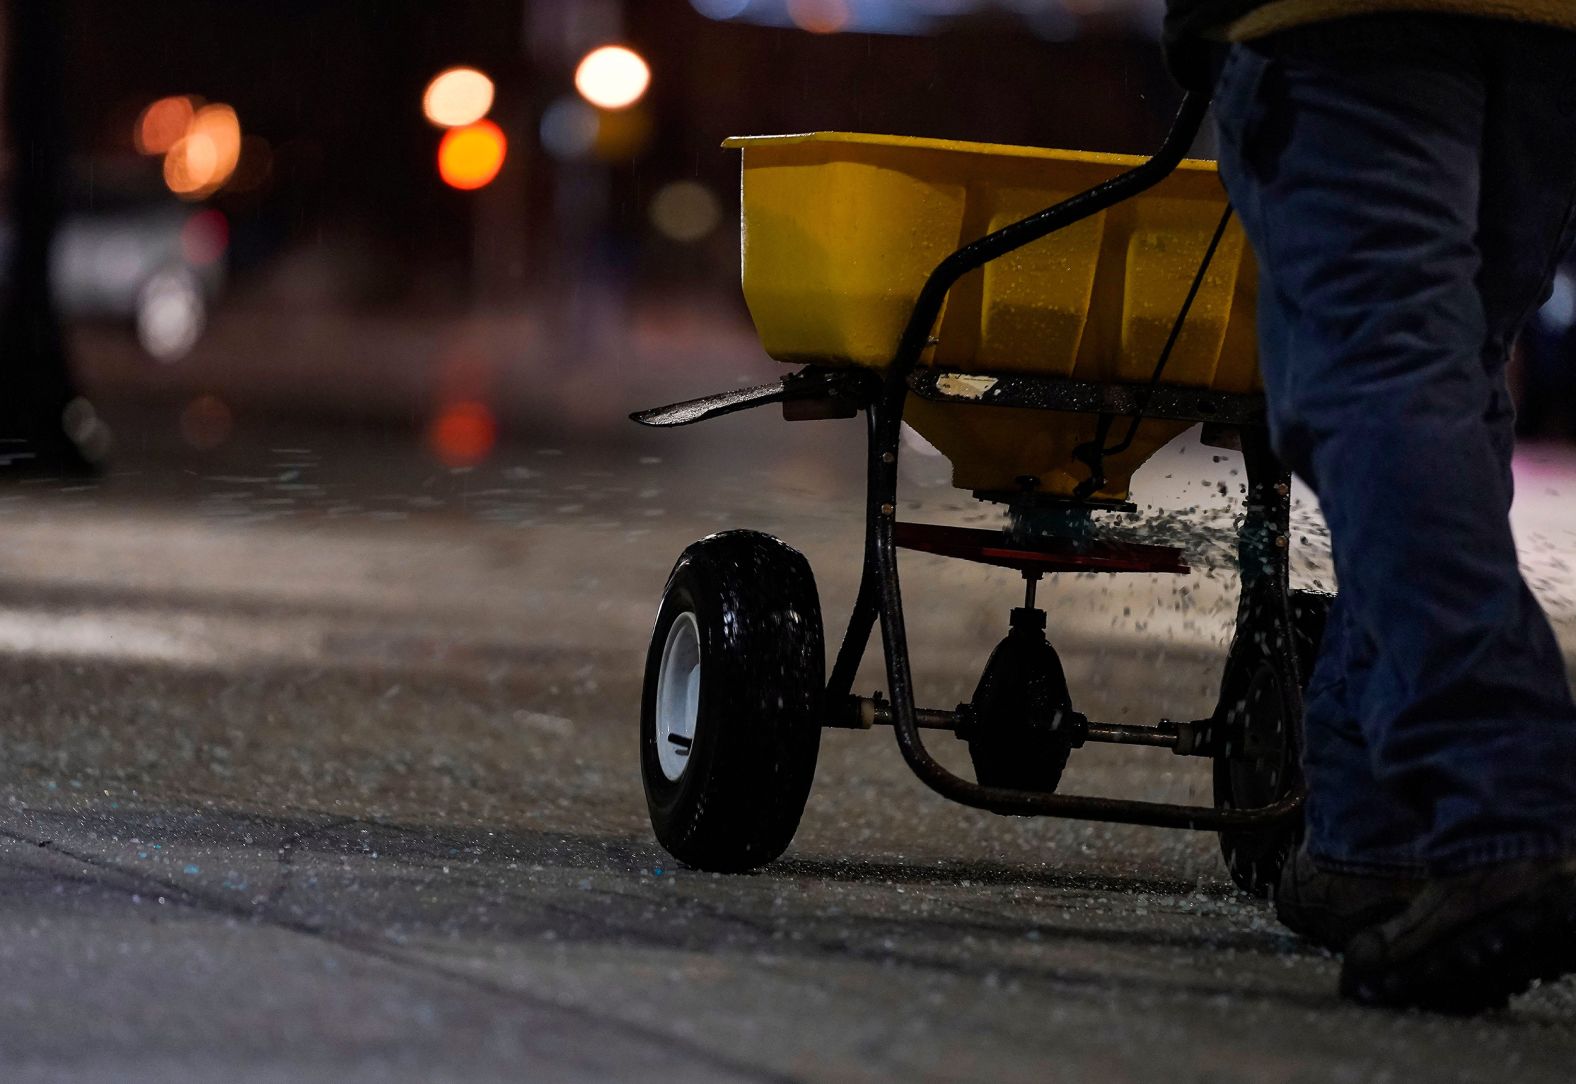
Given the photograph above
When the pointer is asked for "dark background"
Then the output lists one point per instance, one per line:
(359, 288)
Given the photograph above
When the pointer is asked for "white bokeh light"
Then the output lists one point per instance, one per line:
(457, 97)
(613, 77)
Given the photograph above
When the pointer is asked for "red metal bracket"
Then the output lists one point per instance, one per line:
(1053, 555)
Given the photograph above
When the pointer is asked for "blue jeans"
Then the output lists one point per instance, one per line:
(1408, 184)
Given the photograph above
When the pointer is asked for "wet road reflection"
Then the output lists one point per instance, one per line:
(319, 763)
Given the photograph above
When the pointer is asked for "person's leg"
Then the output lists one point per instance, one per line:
(1355, 161)
(1353, 825)
(1359, 863)
(1525, 226)
(1469, 940)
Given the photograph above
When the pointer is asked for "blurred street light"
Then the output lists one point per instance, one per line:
(572, 131)
(171, 313)
(621, 134)
(819, 16)
(464, 433)
(569, 128)
(163, 123)
(613, 77)
(470, 157)
(720, 9)
(457, 97)
(1054, 20)
(685, 211)
(201, 144)
(199, 163)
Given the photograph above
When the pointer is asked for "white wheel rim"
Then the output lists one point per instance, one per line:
(678, 696)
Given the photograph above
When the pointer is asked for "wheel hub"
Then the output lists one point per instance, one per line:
(678, 696)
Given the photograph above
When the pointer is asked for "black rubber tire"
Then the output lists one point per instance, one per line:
(737, 801)
(1260, 711)
(1023, 680)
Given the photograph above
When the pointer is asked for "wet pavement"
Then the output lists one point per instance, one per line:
(319, 764)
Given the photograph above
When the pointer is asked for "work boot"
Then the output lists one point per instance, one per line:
(1330, 908)
(1467, 943)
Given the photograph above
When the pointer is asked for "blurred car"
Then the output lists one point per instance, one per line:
(157, 266)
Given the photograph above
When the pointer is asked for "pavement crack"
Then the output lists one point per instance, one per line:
(382, 950)
(650, 1034)
(285, 860)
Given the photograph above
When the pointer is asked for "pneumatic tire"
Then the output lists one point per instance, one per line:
(731, 711)
(1260, 715)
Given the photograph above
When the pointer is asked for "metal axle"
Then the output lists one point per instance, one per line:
(865, 712)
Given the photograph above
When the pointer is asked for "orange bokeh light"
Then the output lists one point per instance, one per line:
(464, 433)
(470, 157)
(205, 156)
(819, 16)
(162, 124)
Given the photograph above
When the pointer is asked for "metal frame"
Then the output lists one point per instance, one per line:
(1043, 556)
(1262, 543)
(824, 393)
(1085, 397)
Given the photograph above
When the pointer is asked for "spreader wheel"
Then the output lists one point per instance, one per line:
(1260, 725)
(730, 721)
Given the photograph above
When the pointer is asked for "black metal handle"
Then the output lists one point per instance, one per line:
(993, 246)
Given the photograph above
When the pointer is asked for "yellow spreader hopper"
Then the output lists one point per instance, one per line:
(1048, 319)
(840, 233)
